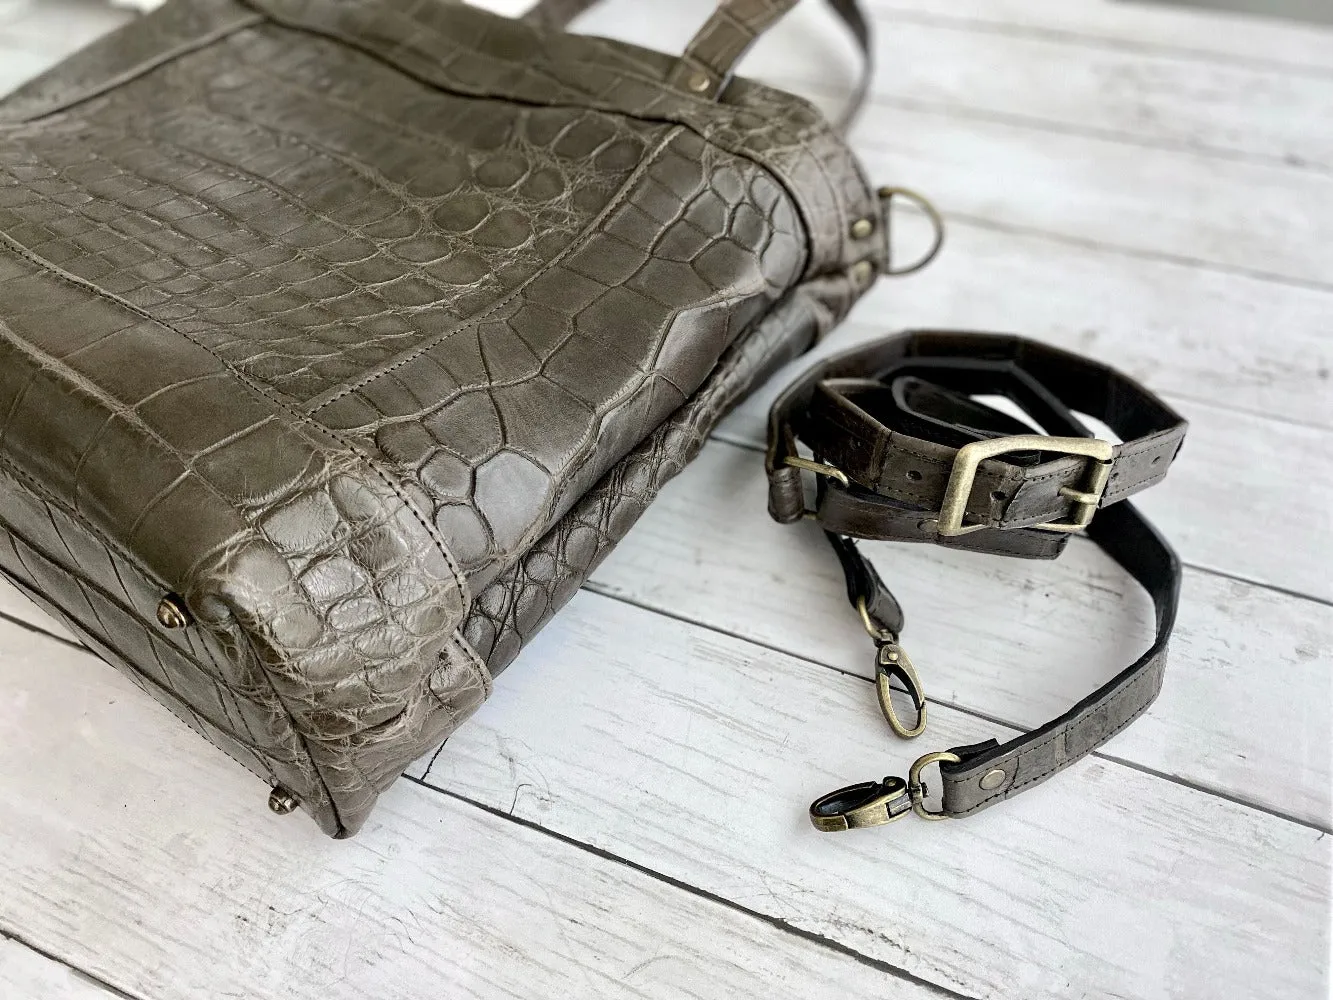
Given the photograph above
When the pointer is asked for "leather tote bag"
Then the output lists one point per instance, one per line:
(341, 339)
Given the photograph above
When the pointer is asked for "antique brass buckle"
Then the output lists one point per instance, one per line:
(970, 457)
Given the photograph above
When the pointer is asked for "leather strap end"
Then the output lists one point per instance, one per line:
(786, 495)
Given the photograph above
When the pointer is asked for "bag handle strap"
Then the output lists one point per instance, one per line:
(711, 57)
(904, 450)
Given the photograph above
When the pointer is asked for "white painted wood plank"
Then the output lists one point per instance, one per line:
(1013, 640)
(945, 64)
(1254, 218)
(1225, 339)
(134, 850)
(1205, 34)
(686, 752)
(696, 754)
(26, 975)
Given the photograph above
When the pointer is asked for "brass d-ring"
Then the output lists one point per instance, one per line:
(886, 196)
(917, 790)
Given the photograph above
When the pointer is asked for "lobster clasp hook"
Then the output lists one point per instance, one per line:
(892, 662)
(868, 803)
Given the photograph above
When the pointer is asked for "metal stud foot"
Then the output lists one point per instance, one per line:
(172, 613)
(282, 801)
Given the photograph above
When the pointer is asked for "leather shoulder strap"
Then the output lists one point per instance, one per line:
(711, 57)
(907, 447)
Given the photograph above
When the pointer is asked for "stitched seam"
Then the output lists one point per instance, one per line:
(802, 137)
(631, 183)
(136, 675)
(256, 387)
(35, 487)
(147, 66)
(300, 418)
(1060, 734)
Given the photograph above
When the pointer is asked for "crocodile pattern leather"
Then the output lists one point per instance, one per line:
(328, 315)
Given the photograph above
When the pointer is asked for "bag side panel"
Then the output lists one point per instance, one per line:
(504, 424)
(514, 606)
(321, 591)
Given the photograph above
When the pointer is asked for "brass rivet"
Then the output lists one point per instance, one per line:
(993, 779)
(862, 228)
(699, 82)
(282, 801)
(171, 612)
(862, 271)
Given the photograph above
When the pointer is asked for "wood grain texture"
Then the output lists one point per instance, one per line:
(1143, 183)
(1255, 218)
(1203, 34)
(696, 753)
(686, 752)
(27, 975)
(1231, 107)
(1237, 342)
(1013, 640)
(171, 879)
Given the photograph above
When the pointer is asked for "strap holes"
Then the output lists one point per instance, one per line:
(1155, 459)
(913, 475)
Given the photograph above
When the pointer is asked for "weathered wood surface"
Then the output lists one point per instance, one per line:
(28, 975)
(1149, 185)
(1193, 31)
(1245, 709)
(694, 753)
(682, 751)
(172, 880)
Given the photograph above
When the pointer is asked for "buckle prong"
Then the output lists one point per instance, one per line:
(969, 459)
(819, 468)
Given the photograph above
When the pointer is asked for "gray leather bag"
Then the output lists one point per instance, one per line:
(341, 339)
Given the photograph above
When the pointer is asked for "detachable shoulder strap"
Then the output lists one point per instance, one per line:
(711, 57)
(904, 449)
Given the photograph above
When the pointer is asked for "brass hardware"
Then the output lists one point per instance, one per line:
(993, 778)
(172, 613)
(970, 457)
(862, 271)
(886, 196)
(282, 801)
(870, 803)
(874, 631)
(819, 468)
(699, 82)
(917, 790)
(862, 228)
(893, 661)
